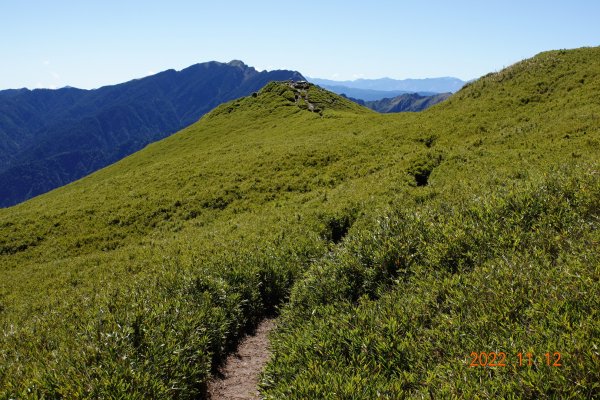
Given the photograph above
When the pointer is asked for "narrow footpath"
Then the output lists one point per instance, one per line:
(240, 373)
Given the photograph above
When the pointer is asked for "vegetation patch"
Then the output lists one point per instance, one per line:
(398, 311)
(389, 261)
(422, 167)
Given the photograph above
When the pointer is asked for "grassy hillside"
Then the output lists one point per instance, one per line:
(407, 242)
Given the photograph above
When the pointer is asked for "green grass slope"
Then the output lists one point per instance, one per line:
(406, 241)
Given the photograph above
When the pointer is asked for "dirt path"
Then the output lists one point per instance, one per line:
(240, 372)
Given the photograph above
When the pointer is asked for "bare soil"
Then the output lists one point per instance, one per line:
(238, 378)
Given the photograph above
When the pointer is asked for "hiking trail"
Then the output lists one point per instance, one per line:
(239, 374)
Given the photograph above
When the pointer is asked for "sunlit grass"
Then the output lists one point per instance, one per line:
(407, 241)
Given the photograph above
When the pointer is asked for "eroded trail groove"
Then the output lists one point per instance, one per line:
(241, 370)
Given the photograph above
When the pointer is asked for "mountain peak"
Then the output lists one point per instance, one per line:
(237, 63)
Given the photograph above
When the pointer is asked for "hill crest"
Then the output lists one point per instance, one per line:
(293, 94)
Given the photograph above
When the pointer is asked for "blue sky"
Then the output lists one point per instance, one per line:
(89, 43)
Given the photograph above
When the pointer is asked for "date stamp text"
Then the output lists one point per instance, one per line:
(501, 359)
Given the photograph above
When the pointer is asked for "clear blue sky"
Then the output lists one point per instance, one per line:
(87, 44)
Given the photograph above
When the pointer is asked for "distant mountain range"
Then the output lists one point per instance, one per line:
(397, 87)
(369, 94)
(403, 103)
(49, 138)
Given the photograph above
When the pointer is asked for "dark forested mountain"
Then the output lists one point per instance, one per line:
(431, 85)
(51, 137)
(404, 102)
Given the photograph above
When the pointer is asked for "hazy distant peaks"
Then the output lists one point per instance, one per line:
(431, 85)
